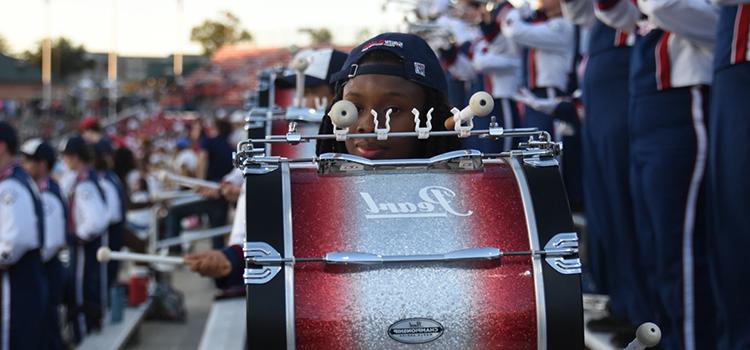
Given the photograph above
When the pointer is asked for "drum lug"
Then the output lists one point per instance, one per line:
(540, 162)
(264, 274)
(559, 251)
(251, 160)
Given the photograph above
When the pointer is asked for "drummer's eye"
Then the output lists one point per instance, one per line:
(394, 110)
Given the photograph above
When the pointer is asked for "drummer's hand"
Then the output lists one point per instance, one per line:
(208, 192)
(212, 263)
(230, 191)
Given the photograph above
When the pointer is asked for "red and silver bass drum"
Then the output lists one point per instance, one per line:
(271, 111)
(459, 251)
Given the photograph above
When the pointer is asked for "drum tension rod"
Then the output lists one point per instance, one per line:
(484, 253)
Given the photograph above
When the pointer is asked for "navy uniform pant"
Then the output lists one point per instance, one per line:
(83, 294)
(55, 275)
(728, 193)
(668, 148)
(571, 157)
(612, 250)
(116, 233)
(24, 296)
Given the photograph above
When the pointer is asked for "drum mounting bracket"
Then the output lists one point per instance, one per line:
(564, 243)
(262, 274)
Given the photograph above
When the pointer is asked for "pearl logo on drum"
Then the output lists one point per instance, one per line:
(435, 201)
(415, 331)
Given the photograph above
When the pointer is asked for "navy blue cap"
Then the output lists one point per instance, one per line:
(420, 64)
(323, 63)
(38, 149)
(76, 145)
(9, 136)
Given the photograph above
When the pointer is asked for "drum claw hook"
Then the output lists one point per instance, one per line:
(382, 133)
(463, 130)
(422, 132)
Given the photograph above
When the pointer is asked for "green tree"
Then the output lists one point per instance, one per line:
(363, 34)
(318, 37)
(213, 34)
(4, 48)
(67, 58)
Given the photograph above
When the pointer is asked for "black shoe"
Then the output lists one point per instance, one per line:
(610, 324)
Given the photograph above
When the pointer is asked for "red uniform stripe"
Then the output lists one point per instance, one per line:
(662, 63)
(739, 40)
(531, 62)
(487, 83)
(621, 38)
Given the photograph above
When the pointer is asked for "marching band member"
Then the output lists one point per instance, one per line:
(114, 197)
(498, 59)
(669, 78)
(548, 43)
(394, 71)
(23, 286)
(457, 20)
(38, 161)
(87, 222)
(390, 71)
(727, 188)
(612, 252)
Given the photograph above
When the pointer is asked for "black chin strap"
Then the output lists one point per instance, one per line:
(356, 70)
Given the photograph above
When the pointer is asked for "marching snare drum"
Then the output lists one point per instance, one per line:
(452, 252)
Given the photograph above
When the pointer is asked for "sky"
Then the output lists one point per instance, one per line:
(151, 27)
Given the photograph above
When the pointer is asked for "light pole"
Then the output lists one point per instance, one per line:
(177, 59)
(112, 66)
(47, 61)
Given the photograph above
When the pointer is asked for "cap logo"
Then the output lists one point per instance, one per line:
(381, 42)
(419, 68)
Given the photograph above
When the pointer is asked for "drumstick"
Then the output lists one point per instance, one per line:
(449, 123)
(480, 105)
(104, 254)
(187, 181)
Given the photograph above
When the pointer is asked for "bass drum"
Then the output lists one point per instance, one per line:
(257, 130)
(392, 210)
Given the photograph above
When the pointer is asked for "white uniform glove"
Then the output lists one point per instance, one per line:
(544, 105)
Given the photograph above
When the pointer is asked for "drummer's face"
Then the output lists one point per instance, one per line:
(381, 93)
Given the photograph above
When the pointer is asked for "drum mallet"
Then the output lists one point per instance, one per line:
(480, 105)
(647, 335)
(187, 181)
(299, 66)
(104, 254)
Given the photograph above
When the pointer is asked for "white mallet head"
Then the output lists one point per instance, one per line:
(300, 64)
(648, 334)
(343, 114)
(103, 254)
(481, 104)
